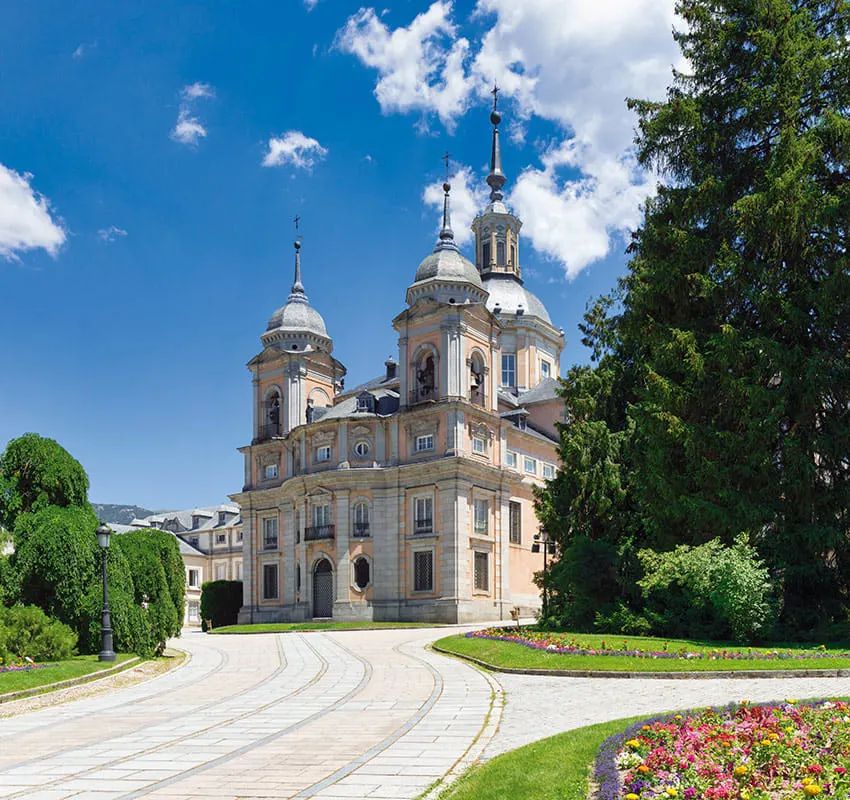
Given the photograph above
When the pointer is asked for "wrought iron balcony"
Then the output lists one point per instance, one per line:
(266, 432)
(360, 530)
(313, 533)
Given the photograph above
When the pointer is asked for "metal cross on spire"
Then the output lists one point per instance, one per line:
(447, 161)
(495, 92)
(297, 222)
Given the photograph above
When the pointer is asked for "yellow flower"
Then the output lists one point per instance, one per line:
(791, 701)
(633, 743)
(765, 742)
(671, 792)
(812, 789)
(745, 794)
(646, 728)
(643, 769)
(740, 770)
(631, 796)
(806, 781)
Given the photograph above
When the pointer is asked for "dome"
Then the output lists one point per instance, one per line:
(298, 316)
(509, 294)
(448, 265)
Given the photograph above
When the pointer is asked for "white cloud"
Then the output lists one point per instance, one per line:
(420, 67)
(111, 233)
(26, 222)
(467, 198)
(310, 4)
(571, 62)
(189, 129)
(293, 147)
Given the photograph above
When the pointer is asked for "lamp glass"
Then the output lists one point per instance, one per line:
(103, 535)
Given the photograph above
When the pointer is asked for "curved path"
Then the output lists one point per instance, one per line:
(360, 714)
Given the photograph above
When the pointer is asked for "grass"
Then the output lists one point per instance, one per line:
(516, 656)
(75, 667)
(289, 627)
(557, 768)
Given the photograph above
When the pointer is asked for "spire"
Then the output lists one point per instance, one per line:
(447, 236)
(496, 178)
(297, 293)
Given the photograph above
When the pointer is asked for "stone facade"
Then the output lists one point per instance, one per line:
(409, 497)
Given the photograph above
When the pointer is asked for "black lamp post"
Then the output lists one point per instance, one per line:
(106, 652)
(542, 542)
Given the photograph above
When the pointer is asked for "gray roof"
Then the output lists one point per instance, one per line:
(208, 517)
(509, 294)
(448, 265)
(298, 316)
(381, 382)
(547, 389)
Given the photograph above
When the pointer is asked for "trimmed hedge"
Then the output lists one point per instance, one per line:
(220, 602)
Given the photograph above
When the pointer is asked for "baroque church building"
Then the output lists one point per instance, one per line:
(409, 497)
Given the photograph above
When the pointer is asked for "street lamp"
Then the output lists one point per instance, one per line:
(544, 543)
(106, 652)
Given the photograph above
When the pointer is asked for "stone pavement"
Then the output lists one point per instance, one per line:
(359, 714)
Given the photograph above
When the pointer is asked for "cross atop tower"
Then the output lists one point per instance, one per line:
(297, 222)
(495, 92)
(447, 161)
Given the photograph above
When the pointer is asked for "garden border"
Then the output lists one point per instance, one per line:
(22, 694)
(696, 675)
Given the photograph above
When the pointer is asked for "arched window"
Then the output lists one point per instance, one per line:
(362, 573)
(513, 256)
(272, 414)
(361, 519)
(426, 378)
(485, 255)
(476, 379)
(500, 253)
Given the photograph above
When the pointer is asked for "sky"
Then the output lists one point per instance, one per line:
(153, 157)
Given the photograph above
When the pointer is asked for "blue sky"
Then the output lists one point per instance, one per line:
(140, 258)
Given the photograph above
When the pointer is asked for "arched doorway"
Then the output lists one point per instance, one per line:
(323, 589)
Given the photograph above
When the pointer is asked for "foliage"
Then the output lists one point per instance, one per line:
(145, 552)
(220, 602)
(756, 752)
(717, 399)
(27, 632)
(36, 472)
(710, 590)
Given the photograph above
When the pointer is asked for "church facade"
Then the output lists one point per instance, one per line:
(409, 497)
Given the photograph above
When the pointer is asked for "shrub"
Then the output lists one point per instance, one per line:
(28, 632)
(710, 590)
(220, 602)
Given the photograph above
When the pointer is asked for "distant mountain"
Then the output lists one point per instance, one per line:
(122, 515)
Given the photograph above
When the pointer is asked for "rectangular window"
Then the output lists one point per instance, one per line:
(485, 255)
(482, 515)
(222, 517)
(323, 453)
(423, 571)
(482, 572)
(423, 520)
(239, 535)
(548, 471)
(194, 578)
(530, 465)
(221, 538)
(500, 253)
(270, 472)
(424, 442)
(221, 572)
(193, 611)
(510, 459)
(321, 515)
(269, 581)
(237, 570)
(270, 533)
(515, 513)
(545, 369)
(509, 369)
(479, 445)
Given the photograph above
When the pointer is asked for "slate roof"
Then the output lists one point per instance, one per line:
(547, 389)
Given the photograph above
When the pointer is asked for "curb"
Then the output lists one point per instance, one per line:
(69, 682)
(699, 675)
(218, 632)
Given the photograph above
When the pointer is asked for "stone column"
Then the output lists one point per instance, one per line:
(287, 516)
(342, 518)
(387, 538)
(249, 549)
(256, 386)
(342, 453)
(403, 372)
(502, 553)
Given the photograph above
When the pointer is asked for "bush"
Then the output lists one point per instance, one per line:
(220, 602)
(151, 591)
(26, 631)
(710, 590)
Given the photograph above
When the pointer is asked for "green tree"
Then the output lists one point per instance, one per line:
(36, 472)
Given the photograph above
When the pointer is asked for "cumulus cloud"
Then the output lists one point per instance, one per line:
(111, 233)
(26, 222)
(310, 4)
(295, 148)
(189, 129)
(570, 62)
(421, 67)
(467, 198)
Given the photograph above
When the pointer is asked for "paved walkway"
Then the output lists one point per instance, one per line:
(368, 714)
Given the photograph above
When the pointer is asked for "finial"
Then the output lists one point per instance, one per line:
(447, 236)
(297, 286)
(496, 178)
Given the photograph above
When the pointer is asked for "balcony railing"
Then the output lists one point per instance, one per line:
(422, 394)
(266, 432)
(424, 525)
(361, 530)
(313, 533)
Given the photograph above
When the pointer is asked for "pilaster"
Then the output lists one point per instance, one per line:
(287, 516)
(342, 519)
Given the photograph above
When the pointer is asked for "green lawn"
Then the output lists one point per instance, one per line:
(288, 627)
(62, 670)
(551, 769)
(517, 656)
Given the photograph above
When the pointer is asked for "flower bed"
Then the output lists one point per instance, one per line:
(20, 667)
(745, 752)
(567, 644)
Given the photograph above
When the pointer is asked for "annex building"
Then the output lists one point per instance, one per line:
(409, 497)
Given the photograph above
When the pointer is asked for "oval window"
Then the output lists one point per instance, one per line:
(361, 449)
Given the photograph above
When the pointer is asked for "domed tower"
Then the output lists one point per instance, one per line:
(296, 372)
(530, 345)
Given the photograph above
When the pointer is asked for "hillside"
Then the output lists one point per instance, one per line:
(122, 515)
